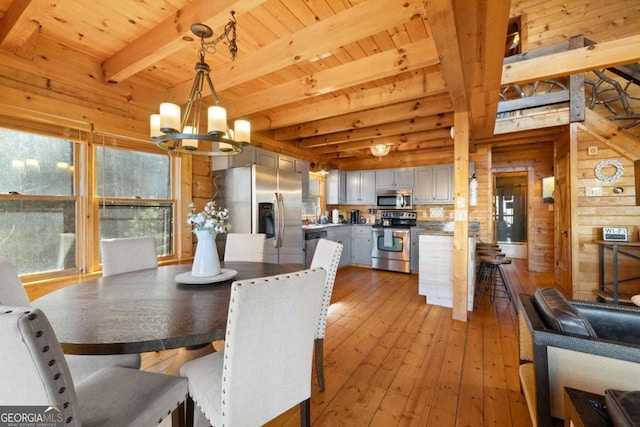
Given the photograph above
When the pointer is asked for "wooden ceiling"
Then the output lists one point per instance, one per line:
(319, 79)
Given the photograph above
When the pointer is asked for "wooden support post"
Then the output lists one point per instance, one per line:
(461, 216)
(636, 166)
(576, 87)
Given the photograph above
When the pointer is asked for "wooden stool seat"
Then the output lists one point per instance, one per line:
(496, 260)
(485, 253)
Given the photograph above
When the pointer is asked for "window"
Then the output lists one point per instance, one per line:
(60, 194)
(38, 206)
(134, 191)
(315, 204)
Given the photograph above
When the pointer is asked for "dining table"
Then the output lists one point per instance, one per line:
(147, 310)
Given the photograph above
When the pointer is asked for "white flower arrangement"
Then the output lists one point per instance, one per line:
(212, 218)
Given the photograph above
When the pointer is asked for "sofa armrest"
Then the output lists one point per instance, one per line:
(563, 359)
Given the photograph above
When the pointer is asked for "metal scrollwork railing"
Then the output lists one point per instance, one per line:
(614, 95)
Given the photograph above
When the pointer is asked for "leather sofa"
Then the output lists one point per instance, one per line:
(583, 345)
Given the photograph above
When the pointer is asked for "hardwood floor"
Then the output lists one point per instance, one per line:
(393, 360)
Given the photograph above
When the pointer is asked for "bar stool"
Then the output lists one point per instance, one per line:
(481, 269)
(493, 281)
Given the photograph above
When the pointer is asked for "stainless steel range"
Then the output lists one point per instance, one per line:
(392, 241)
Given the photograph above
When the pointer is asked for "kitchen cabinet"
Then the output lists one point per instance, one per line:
(433, 185)
(247, 157)
(251, 155)
(361, 187)
(341, 234)
(275, 161)
(395, 178)
(361, 239)
(336, 187)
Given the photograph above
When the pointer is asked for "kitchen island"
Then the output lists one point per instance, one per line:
(435, 280)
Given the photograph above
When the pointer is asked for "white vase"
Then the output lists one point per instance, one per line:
(206, 262)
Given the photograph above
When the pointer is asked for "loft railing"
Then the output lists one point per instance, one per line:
(615, 88)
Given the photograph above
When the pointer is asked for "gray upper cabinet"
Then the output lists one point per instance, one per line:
(433, 185)
(361, 187)
(336, 187)
(247, 157)
(251, 155)
(395, 178)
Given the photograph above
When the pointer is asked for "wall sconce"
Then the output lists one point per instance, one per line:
(548, 187)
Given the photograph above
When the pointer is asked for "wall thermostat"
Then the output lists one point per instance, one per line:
(615, 234)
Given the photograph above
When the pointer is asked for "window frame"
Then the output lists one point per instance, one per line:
(85, 142)
(94, 201)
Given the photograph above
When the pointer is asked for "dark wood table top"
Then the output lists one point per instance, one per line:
(145, 310)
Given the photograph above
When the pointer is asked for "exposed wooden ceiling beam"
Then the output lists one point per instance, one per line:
(170, 36)
(423, 107)
(440, 14)
(349, 26)
(19, 26)
(415, 87)
(390, 129)
(385, 64)
(613, 135)
(483, 67)
(601, 55)
(413, 139)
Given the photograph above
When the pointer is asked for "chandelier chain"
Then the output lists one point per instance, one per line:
(229, 34)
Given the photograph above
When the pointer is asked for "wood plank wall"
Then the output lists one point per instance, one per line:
(549, 24)
(595, 212)
(482, 213)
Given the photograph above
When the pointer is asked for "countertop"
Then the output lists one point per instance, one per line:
(431, 232)
(315, 227)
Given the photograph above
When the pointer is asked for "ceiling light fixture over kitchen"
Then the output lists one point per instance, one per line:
(182, 134)
(380, 150)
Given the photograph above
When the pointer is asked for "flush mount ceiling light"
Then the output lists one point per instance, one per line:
(380, 150)
(183, 134)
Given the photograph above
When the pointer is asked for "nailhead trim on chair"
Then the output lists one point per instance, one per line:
(51, 363)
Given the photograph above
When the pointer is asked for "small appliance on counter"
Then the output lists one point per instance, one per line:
(355, 216)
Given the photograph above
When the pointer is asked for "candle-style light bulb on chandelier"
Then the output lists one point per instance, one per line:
(183, 134)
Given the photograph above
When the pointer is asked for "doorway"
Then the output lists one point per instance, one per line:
(510, 212)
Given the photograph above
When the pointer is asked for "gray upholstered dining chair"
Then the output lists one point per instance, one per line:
(126, 254)
(265, 366)
(244, 247)
(34, 372)
(327, 256)
(12, 293)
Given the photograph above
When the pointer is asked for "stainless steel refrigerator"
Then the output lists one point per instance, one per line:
(264, 200)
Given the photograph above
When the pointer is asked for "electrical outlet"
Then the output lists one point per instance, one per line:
(424, 214)
(592, 151)
(594, 191)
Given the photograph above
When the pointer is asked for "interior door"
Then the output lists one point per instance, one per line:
(563, 225)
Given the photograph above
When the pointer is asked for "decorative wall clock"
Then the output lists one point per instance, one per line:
(609, 178)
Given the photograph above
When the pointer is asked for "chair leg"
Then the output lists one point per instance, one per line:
(305, 413)
(190, 412)
(178, 416)
(318, 344)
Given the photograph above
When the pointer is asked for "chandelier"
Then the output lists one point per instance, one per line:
(183, 134)
(380, 150)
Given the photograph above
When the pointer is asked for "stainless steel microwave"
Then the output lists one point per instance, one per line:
(394, 199)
